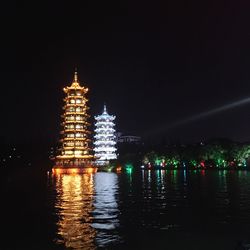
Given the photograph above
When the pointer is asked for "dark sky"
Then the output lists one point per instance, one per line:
(152, 63)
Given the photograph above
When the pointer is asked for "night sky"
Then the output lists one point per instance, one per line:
(152, 63)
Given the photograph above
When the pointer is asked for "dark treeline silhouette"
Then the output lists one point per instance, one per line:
(213, 153)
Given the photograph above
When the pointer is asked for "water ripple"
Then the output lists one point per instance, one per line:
(101, 210)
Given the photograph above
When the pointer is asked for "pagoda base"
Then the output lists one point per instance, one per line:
(74, 167)
(74, 170)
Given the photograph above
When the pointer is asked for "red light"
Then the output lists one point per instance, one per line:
(202, 164)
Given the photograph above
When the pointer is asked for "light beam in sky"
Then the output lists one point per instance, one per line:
(205, 114)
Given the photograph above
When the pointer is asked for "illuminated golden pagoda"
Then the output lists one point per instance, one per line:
(75, 150)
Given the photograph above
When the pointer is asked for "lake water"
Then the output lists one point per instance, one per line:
(155, 209)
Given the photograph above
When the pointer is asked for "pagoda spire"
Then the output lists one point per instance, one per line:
(75, 76)
(75, 83)
(105, 109)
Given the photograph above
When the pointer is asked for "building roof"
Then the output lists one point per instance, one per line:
(75, 85)
(105, 115)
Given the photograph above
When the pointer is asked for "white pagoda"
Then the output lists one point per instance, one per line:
(104, 139)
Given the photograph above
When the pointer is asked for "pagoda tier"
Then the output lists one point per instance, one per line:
(75, 149)
(105, 140)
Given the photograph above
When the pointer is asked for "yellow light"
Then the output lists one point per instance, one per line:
(62, 170)
(73, 171)
(56, 171)
(91, 170)
(118, 169)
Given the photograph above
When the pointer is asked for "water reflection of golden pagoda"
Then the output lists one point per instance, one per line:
(74, 204)
(75, 153)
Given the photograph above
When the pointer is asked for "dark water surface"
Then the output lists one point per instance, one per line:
(155, 209)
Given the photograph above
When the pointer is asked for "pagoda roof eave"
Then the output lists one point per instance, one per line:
(82, 122)
(106, 117)
(76, 139)
(74, 157)
(76, 87)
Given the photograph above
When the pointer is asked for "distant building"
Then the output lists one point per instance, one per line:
(127, 138)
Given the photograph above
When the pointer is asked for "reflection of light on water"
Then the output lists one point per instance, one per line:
(105, 214)
(160, 179)
(163, 172)
(203, 172)
(158, 174)
(149, 176)
(173, 176)
(74, 204)
(222, 197)
(185, 177)
(129, 169)
(223, 181)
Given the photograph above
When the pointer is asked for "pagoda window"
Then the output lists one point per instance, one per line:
(79, 118)
(78, 101)
(69, 126)
(79, 135)
(72, 101)
(69, 144)
(70, 118)
(79, 144)
(79, 126)
(68, 152)
(78, 152)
